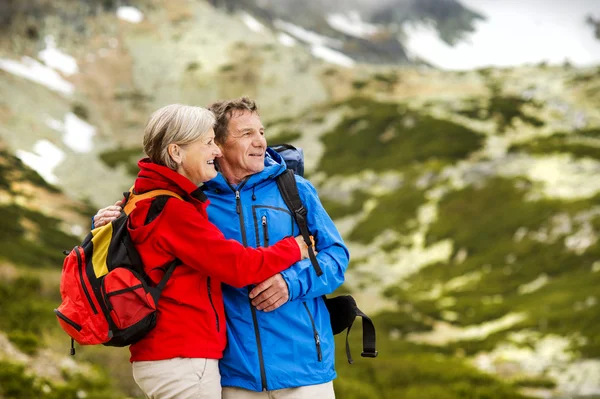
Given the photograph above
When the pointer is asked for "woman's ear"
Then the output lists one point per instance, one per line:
(175, 153)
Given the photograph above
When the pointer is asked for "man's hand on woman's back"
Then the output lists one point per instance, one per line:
(108, 214)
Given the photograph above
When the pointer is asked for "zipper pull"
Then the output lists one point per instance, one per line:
(72, 351)
(318, 341)
(265, 230)
(238, 206)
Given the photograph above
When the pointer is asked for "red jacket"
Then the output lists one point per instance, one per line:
(191, 320)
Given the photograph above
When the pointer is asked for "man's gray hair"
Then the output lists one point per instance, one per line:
(174, 124)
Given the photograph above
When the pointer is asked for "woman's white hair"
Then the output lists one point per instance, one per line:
(174, 124)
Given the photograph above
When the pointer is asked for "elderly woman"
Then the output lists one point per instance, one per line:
(179, 358)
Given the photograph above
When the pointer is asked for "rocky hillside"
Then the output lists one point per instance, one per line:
(469, 200)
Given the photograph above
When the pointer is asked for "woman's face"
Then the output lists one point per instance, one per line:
(198, 158)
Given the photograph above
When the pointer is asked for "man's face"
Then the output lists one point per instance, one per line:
(244, 149)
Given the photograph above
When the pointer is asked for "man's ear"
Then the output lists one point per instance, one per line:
(175, 153)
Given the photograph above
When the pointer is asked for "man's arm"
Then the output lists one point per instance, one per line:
(333, 256)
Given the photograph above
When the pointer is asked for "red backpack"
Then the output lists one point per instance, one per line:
(107, 298)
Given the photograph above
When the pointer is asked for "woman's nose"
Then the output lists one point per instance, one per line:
(217, 152)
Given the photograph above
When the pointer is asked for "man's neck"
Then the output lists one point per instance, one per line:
(233, 180)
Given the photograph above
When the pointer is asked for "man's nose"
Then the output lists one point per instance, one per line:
(259, 141)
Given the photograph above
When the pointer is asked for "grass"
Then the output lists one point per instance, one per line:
(393, 211)
(338, 210)
(386, 136)
(26, 313)
(405, 370)
(561, 142)
(505, 110)
(483, 221)
(17, 383)
(42, 250)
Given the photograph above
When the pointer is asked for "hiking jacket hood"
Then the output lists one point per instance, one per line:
(191, 320)
(293, 345)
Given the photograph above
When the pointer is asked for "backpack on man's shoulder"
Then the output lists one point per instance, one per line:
(107, 298)
(342, 309)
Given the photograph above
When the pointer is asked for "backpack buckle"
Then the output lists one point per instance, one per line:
(302, 211)
(372, 354)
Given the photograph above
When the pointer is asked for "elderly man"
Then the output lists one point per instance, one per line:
(280, 343)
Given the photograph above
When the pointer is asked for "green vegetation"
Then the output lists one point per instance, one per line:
(483, 221)
(123, 156)
(26, 313)
(359, 84)
(502, 109)
(81, 111)
(16, 383)
(338, 210)
(574, 143)
(37, 246)
(410, 371)
(12, 169)
(386, 136)
(393, 211)
(283, 137)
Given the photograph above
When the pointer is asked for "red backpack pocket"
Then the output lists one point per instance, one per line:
(127, 297)
(79, 314)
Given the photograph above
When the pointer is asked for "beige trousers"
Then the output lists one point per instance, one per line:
(320, 391)
(179, 378)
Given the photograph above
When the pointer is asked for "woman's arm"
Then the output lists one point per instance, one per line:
(192, 238)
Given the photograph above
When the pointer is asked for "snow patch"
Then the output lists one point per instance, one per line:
(252, 23)
(33, 70)
(352, 24)
(130, 14)
(332, 56)
(286, 39)
(77, 133)
(56, 59)
(44, 158)
(307, 36)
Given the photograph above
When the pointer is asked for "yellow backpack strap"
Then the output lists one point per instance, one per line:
(133, 198)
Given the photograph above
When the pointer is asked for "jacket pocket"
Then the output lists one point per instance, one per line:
(315, 333)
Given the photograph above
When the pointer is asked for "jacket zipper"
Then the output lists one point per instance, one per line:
(315, 333)
(85, 291)
(67, 320)
(261, 361)
(265, 230)
(211, 303)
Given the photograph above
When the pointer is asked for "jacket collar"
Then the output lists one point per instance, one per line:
(274, 166)
(156, 177)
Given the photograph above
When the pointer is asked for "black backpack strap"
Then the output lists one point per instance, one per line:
(157, 206)
(369, 339)
(289, 191)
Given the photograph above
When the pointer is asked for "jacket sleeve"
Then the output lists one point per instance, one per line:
(333, 256)
(190, 237)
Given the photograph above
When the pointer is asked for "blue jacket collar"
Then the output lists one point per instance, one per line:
(274, 166)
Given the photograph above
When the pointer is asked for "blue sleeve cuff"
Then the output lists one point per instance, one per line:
(291, 279)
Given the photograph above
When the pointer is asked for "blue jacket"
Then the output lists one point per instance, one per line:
(293, 345)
